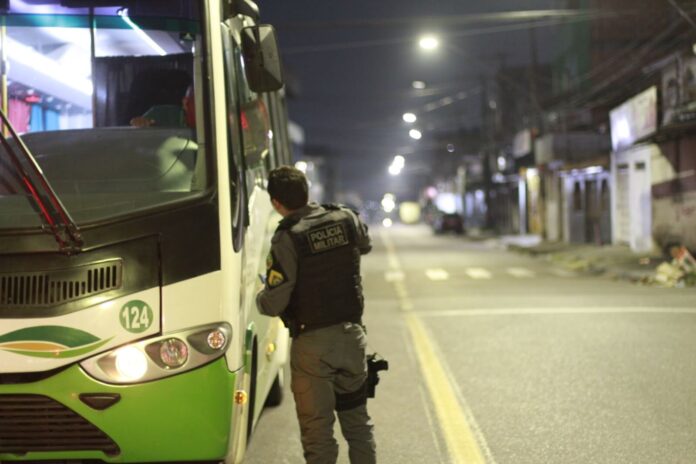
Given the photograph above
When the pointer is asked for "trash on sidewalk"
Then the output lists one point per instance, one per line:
(679, 272)
(613, 261)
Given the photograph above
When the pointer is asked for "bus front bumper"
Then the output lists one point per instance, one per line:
(181, 418)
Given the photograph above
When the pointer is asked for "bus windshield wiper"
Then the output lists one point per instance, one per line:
(55, 217)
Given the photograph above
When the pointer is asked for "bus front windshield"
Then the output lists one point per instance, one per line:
(107, 99)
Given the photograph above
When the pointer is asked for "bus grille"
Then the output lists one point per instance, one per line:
(32, 289)
(38, 423)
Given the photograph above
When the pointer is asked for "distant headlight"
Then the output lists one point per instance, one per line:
(160, 357)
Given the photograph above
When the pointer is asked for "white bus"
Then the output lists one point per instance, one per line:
(134, 225)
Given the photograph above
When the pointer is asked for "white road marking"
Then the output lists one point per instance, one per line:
(436, 274)
(552, 311)
(520, 272)
(478, 273)
(563, 273)
(393, 261)
(393, 275)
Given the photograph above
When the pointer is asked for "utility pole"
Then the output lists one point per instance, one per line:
(534, 106)
(488, 123)
(491, 118)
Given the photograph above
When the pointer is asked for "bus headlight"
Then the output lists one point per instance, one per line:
(130, 363)
(160, 357)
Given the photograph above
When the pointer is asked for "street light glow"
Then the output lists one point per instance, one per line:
(397, 165)
(418, 85)
(410, 118)
(415, 134)
(388, 202)
(429, 42)
(302, 166)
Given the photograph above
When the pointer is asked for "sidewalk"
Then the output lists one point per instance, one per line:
(613, 261)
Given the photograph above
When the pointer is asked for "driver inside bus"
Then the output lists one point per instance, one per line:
(183, 115)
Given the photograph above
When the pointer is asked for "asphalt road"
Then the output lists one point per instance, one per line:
(501, 358)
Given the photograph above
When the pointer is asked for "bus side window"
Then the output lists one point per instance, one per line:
(281, 147)
(237, 177)
(256, 128)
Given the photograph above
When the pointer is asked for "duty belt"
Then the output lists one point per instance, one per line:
(297, 329)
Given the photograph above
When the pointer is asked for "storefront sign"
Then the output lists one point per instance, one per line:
(679, 90)
(634, 119)
(522, 144)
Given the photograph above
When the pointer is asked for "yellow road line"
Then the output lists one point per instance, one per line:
(461, 441)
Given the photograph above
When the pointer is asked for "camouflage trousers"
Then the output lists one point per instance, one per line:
(326, 362)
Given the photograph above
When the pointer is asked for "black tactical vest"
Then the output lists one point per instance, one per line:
(328, 289)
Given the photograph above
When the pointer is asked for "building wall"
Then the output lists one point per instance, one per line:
(674, 192)
(552, 188)
(587, 206)
(632, 197)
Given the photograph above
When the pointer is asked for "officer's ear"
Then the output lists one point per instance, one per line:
(278, 206)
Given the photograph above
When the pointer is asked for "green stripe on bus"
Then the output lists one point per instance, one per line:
(67, 336)
(60, 354)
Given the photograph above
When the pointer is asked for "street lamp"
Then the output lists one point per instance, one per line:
(415, 134)
(397, 165)
(410, 118)
(429, 42)
(388, 202)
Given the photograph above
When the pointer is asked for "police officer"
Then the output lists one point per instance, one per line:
(313, 283)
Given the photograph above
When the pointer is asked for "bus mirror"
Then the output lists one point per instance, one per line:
(261, 60)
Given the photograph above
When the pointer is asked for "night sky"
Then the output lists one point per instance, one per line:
(352, 64)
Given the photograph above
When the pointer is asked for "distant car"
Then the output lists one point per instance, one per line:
(448, 222)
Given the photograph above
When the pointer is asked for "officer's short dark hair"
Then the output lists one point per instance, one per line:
(288, 186)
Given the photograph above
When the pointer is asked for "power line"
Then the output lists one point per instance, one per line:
(449, 100)
(586, 96)
(683, 13)
(443, 20)
(351, 45)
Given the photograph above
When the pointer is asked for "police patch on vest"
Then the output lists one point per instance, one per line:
(275, 278)
(327, 238)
